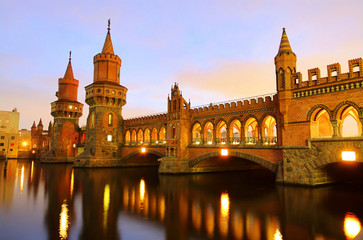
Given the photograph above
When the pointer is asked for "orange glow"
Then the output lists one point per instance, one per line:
(224, 152)
(33, 151)
(277, 235)
(352, 225)
(348, 156)
(224, 205)
(72, 183)
(25, 143)
(32, 172)
(143, 150)
(63, 221)
(142, 192)
(106, 205)
(22, 179)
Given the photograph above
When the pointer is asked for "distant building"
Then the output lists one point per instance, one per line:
(9, 125)
(40, 139)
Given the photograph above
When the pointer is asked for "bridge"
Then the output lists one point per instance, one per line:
(299, 132)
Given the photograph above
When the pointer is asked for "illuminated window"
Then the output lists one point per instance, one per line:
(109, 138)
(110, 119)
(143, 150)
(348, 156)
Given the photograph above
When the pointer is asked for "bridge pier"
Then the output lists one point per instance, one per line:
(173, 165)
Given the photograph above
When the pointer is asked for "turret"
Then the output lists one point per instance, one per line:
(285, 64)
(40, 127)
(33, 129)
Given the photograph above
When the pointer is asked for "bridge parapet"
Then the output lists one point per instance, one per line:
(146, 119)
(334, 79)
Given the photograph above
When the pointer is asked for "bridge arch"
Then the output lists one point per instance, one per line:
(235, 130)
(251, 126)
(338, 108)
(137, 152)
(318, 107)
(208, 132)
(196, 132)
(221, 131)
(349, 118)
(268, 124)
(250, 157)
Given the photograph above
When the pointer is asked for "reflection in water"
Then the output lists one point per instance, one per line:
(78, 204)
(352, 225)
(277, 235)
(106, 205)
(32, 172)
(72, 183)
(22, 179)
(142, 193)
(64, 221)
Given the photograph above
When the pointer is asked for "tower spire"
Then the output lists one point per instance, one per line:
(69, 72)
(284, 44)
(107, 47)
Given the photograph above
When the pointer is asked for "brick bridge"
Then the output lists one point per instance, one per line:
(298, 133)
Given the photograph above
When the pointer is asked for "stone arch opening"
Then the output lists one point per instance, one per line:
(221, 132)
(196, 133)
(208, 133)
(140, 136)
(147, 136)
(269, 130)
(162, 135)
(127, 137)
(235, 132)
(235, 161)
(320, 123)
(154, 136)
(350, 123)
(251, 131)
(133, 137)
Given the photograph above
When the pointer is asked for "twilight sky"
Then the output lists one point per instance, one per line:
(215, 50)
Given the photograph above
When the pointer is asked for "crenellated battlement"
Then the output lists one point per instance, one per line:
(146, 119)
(334, 75)
(106, 56)
(254, 102)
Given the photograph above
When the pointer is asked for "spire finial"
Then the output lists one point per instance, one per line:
(109, 24)
(70, 55)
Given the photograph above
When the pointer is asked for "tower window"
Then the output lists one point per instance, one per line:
(110, 119)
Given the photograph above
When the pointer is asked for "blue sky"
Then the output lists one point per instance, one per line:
(215, 50)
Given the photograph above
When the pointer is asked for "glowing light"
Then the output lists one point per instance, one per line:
(224, 205)
(70, 107)
(224, 152)
(72, 183)
(197, 143)
(25, 144)
(277, 235)
(33, 151)
(63, 221)
(74, 145)
(22, 179)
(352, 225)
(143, 150)
(142, 191)
(32, 172)
(348, 156)
(109, 138)
(210, 142)
(106, 204)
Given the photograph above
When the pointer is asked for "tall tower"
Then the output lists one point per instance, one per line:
(285, 66)
(66, 112)
(105, 97)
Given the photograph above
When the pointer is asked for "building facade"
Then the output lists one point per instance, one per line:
(9, 125)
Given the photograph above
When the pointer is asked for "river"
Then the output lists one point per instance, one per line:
(55, 201)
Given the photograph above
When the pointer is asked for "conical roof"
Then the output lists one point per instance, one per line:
(69, 72)
(107, 47)
(40, 123)
(34, 126)
(284, 44)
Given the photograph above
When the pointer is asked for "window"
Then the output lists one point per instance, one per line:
(1, 144)
(11, 149)
(12, 137)
(2, 137)
(110, 119)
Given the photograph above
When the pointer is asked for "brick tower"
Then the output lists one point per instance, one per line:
(66, 112)
(177, 133)
(105, 97)
(285, 66)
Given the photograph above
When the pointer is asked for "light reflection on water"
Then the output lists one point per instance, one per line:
(138, 203)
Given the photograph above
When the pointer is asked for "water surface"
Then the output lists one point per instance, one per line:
(55, 201)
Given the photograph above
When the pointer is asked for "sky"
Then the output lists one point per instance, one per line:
(215, 50)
